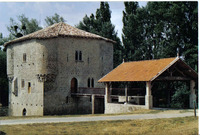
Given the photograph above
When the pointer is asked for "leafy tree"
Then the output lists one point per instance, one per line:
(3, 80)
(100, 24)
(23, 27)
(50, 20)
(130, 31)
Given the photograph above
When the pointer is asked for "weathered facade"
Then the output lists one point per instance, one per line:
(47, 67)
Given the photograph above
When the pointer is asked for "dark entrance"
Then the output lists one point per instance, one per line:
(24, 112)
(74, 85)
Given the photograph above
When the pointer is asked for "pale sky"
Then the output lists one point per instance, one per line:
(73, 12)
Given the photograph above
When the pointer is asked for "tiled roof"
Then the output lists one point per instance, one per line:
(146, 70)
(59, 29)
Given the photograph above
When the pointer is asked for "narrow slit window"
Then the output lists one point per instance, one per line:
(23, 83)
(76, 55)
(88, 82)
(80, 55)
(24, 57)
(67, 100)
(92, 83)
(29, 87)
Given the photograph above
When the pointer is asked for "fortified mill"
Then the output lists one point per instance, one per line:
(55, 71)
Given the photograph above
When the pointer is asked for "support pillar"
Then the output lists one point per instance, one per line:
(126, 94)
(148, 97)
(93, 103)
(107, 93)
(192, 93)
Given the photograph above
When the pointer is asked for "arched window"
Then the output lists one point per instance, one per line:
(80, 55)
(24, 112)
(88, 82)
(76, 55)
(92, 83)
(74, 85)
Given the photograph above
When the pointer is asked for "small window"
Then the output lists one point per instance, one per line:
(88, 60)
(80, 55)
(76, 55)
(88, 82)
(23, 83)
(67, 58)
(24, 57)
(92, 83)
(29, 87)
(12, 55)
(67, 100)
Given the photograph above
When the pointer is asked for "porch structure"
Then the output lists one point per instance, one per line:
(147, 72)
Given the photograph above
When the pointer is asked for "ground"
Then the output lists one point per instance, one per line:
(172, 126)
(159, 126)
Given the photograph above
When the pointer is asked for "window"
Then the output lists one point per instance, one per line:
(80, 55)
(67, 58)
(24, 57)
(88, 60)
(29, 87)
(12, 55)
(67, 100)
(76, 55)
(23, 83)
(88, 82)
(92, 83)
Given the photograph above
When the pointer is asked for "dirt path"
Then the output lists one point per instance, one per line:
(95, 118)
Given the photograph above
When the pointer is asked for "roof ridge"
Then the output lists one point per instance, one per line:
(150, 60)
(60, 28)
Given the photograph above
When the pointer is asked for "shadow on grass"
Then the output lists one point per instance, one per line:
(2, 133)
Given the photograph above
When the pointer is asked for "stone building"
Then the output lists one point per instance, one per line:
(55, 71)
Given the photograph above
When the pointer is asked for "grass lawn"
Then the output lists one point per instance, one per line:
(173, 126)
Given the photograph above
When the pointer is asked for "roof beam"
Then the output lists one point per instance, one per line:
(172, 78)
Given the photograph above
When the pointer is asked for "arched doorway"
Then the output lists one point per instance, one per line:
(24, 112)
(74, 85)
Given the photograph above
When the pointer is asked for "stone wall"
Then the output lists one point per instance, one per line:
(49, 68)
(22, 72)
(97, 60)
(121, 108)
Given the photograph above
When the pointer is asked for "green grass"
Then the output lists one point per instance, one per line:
(173, 126)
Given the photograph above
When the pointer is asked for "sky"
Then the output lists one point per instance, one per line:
(72, 12)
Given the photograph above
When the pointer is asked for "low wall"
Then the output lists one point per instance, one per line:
(122, 108)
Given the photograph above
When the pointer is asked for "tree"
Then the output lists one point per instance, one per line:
(131, 36)
(23, 27)
(100, 24)
(3, 79)
(50, 20)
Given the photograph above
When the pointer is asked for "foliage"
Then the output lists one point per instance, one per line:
(3, 79)
(50, 20)
(180, 97)
(160, 29)
(100, 24)
(23, 27)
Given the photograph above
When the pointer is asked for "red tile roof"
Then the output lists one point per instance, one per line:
(59, 29)
(146, 70)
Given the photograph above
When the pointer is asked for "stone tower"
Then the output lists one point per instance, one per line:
(47, 67)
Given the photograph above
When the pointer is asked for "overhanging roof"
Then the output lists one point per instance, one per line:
(56, 30)
(146, 70)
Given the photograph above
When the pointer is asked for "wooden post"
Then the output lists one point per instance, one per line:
(93, 103)
(192, 93)
(126, 94)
